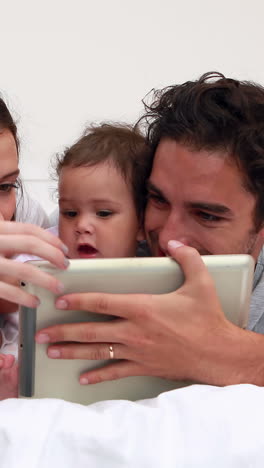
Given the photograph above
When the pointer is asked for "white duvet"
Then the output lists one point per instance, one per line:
(197, 426)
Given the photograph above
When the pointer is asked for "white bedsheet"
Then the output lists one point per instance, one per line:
(198, 426)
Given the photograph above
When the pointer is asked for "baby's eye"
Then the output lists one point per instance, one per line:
(7, 187)
(69, 214)
(104, 213)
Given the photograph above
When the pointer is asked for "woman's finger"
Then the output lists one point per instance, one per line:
(18, 296)
(29, 273)
(10, 228)
(17, 244)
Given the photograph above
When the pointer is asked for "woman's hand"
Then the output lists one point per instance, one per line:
(17, 238)
(183, 335)
(8, 377)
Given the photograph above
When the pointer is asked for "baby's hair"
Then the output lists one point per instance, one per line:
(122, 145)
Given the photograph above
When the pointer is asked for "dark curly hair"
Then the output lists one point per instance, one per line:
(214, 113)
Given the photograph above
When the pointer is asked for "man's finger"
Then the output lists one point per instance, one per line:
(113, 371)
(92, 352)
(85, 332)
(189, 259)
(117, 305)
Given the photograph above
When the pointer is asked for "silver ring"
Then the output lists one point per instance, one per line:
(111, 352)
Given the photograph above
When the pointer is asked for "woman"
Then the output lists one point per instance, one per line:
(17, 238)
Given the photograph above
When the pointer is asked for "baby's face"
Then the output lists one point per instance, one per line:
(98, 218)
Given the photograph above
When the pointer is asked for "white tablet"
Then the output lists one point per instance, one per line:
(41, 377)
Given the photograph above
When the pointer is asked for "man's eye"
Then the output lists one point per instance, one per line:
(156, 199)
(104, 213)
(69, 214)
(209, 217)
(7, 187)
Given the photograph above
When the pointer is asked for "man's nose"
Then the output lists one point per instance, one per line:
(175, 228)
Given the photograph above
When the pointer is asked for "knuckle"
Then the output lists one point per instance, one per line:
(98, 355)
(102, 304)
(145, 310)
(31, 242)
(206, 283)
(87, 334)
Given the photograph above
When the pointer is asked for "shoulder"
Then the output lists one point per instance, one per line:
(29, 210)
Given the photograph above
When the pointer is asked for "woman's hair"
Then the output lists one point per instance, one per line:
(214, 113)
(120, 144)
(7, 122)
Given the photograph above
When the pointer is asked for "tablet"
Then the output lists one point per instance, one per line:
(41, 377)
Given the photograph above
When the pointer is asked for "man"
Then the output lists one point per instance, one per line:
(205, 196)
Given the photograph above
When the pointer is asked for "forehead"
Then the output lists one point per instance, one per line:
(100, 180)
(8, 153)
(199, 166)
(193, 175)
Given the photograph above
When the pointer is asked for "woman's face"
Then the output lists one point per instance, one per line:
(8, 174)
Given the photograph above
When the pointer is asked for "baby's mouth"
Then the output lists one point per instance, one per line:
(86, 251)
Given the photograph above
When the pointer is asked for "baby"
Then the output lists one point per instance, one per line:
(101, 188)
(101, 193)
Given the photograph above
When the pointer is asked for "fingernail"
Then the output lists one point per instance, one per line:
(42, 338)
(66, 262)
(65, 249)
(61, 304)
(54, 353)
(84, 381)
(175, 244)
(60, 288)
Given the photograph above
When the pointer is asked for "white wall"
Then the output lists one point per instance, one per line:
(66, 63)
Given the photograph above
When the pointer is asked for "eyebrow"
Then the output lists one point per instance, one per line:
(213, 207)
(152, 188)
(10, 174)
(94, 200)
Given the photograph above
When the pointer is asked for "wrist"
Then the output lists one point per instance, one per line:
(234, 356)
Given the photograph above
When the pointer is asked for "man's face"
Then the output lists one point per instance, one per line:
(198, 198)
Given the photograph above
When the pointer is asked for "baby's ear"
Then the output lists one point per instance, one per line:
(141, 234)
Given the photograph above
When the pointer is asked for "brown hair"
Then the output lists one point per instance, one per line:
(7, 122)
(121, 144)
(215, 113)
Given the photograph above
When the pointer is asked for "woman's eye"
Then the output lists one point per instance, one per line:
(7, 187)
(104, 213)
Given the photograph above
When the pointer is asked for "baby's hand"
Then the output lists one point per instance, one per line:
(8, 377)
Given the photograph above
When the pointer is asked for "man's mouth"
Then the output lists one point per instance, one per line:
(86, 251)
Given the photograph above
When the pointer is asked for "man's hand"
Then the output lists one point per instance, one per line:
(183, 335)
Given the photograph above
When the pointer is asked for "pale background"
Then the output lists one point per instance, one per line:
(67, 63)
